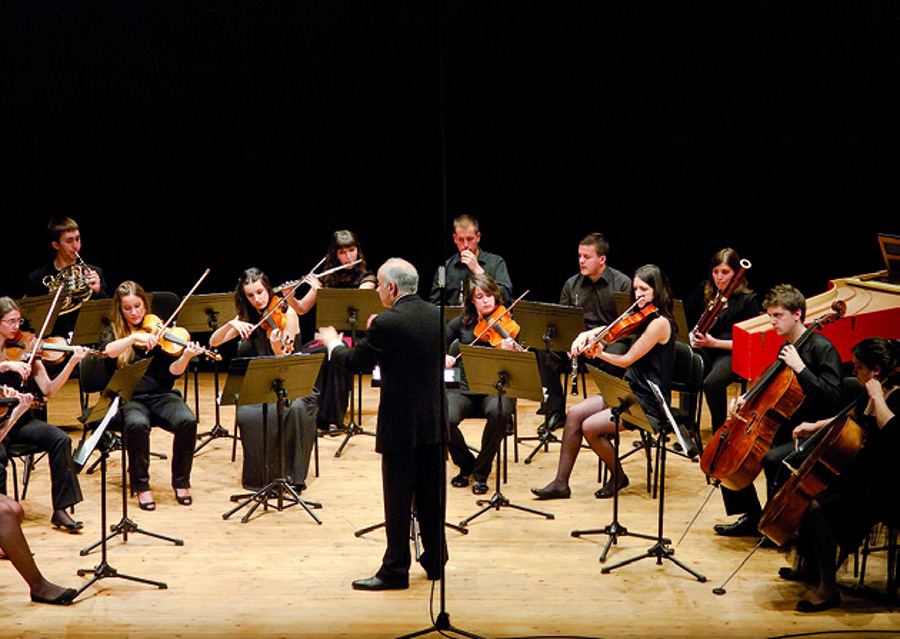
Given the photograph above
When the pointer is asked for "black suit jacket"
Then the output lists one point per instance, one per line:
(405, 341)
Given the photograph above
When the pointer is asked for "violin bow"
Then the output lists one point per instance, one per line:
(183, 301)
(40, 336)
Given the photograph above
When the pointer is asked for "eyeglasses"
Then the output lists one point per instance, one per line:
(14, 321)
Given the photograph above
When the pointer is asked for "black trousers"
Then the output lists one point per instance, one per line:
(64, 487)
(168, 411)
(412, 478)
(460, 406)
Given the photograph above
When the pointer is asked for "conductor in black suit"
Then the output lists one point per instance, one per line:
(405, 341)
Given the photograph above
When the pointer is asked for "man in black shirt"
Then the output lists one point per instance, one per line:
(592, 290)
(65, 237)
(470, 259)
(817, 366)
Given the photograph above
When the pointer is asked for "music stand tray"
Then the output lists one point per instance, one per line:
(260, 380)
(553, 325)
(93, 317)
(501, 372)
(35, 310)
(348, 309)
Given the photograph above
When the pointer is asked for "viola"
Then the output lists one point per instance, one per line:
(172, 340)
(734, 457)
(832, 449)
(496, 327)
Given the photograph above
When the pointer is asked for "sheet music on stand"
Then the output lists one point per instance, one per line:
(84, 451)
(687, 442)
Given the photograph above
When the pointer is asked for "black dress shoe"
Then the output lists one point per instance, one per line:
(608, 491)
(745, 526)
(786, 572)
(376, 583)
(544, 493)
(460, 481)
(480, 488)
(807, 606)
(63, 600)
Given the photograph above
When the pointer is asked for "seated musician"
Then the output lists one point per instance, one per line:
(155, 402)
(25, 377)
(252, 297)
(592, 291)
(13, 545)
(334, 386)
(864, 494)
(715, 345)
(650, 357)
(817, 366)
(482, 297)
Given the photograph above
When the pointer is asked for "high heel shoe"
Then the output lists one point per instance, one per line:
(146, 505)
(63, 599)
(185, 500)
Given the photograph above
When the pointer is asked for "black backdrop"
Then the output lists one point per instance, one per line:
(186, 136)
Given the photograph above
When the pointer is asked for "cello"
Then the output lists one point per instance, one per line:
(832, 449)
(734, 457)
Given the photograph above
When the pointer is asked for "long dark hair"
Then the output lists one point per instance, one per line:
(662, 292)
(487, 284)
(729, 257)
(342, 239)
(242, 305)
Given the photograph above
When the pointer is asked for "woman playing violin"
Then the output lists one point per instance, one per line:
(25, 377)
(130, 337)
(481, 302)
(865, 492)
(253, 295)
(650, 357)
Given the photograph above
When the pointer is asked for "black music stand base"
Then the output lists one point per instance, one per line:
(104, 570)
(280, 491)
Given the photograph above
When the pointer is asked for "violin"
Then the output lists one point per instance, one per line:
(172, 340)
(734, 456)
(496, 327)
(52, 349)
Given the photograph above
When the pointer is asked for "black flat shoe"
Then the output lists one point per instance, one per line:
(543, 493)
(833, 601)
(745, 526)
(63, 600)
(608, 490)
(72, 527)
(376, 583)
(786, 572)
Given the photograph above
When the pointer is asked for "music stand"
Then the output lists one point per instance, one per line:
(557, 327)
(117, 392)
(621, 400)
(121, 385)
(284, 377)
(93, 317)
(201, 314)
(35, 309)
(660, 550)
(348, 308)
(514, 373)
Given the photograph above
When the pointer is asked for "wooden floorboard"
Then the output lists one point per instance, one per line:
(515, 573)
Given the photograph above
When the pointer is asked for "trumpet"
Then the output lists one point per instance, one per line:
(75, 282)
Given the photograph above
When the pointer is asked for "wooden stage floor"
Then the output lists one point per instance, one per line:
(514, 574)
